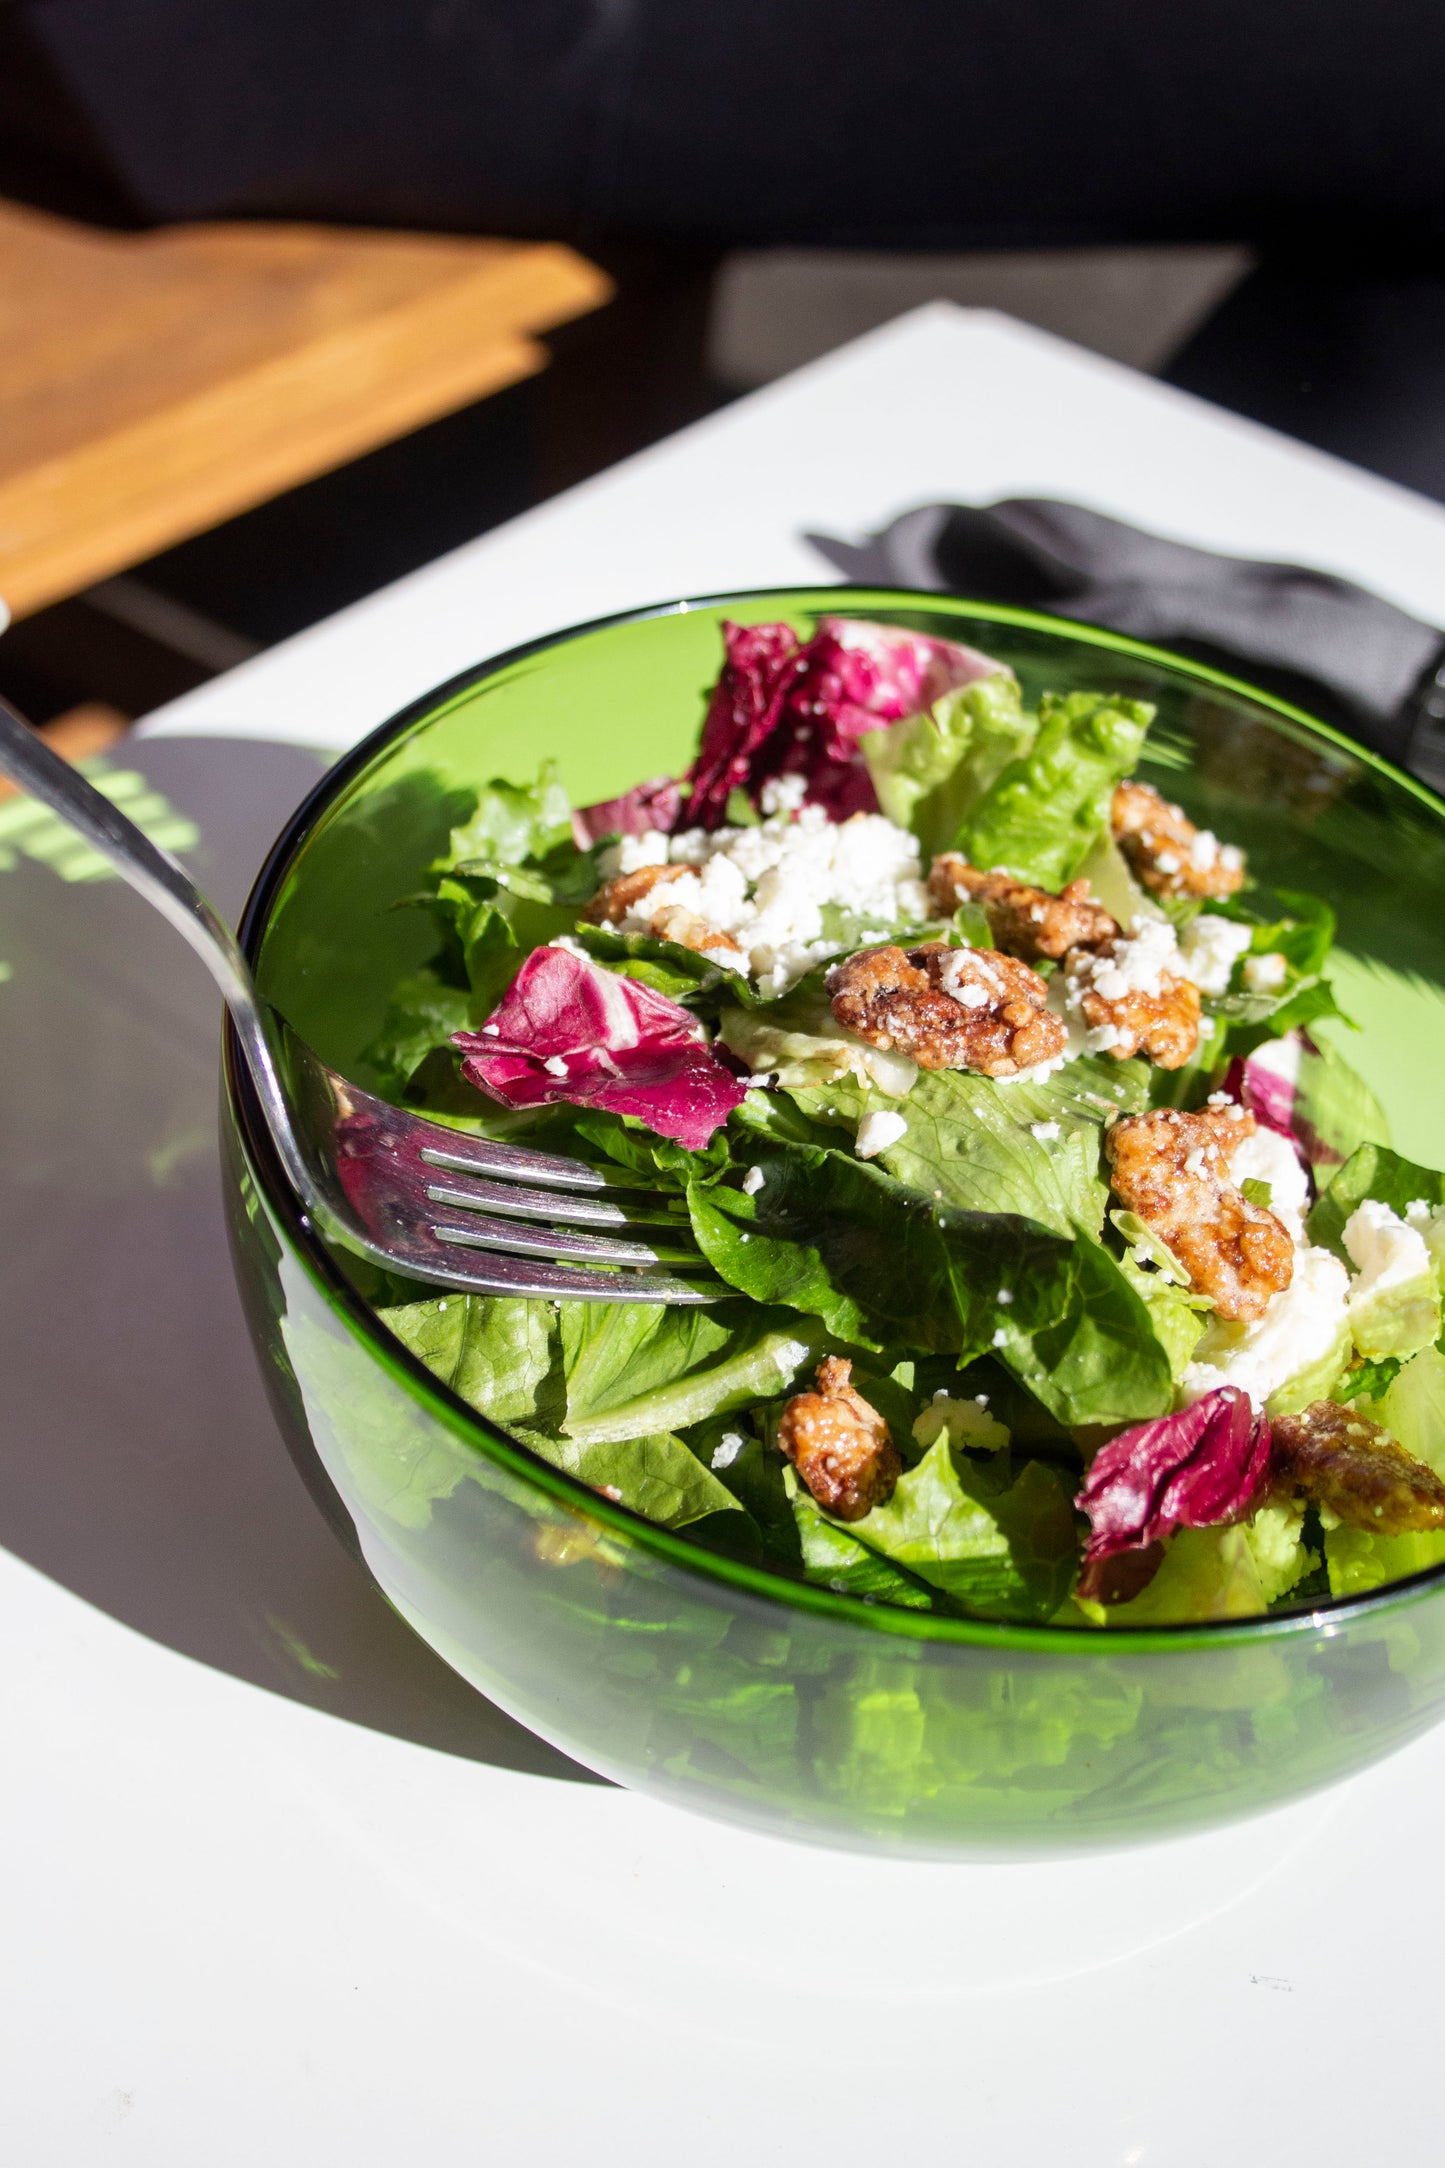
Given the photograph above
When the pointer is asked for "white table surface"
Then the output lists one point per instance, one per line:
(238, 1930)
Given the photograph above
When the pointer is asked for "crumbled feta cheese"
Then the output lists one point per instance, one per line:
(1000, 1338)
(784, 794)
(1005, 1296)
(1137, 965)
(1385, 1250)
(966, 1422)
(1265, 974)
(1268, 1157)
(727, 1449)
(1101, 1038)
(1301, 1325)
(630, 853)
(877, 1131)
(768, 886)
(1210, 949)
(1045, 1132)
(555, 1065)
(1194, 1161)
(752, 1181)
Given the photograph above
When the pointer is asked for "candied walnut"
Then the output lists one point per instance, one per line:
(948, 1008)
(1166, 851)
(619, 899)
(839, 1444)
(1160, 1018)
(1173, 1170)
(1345, 1462)
(1025, 922)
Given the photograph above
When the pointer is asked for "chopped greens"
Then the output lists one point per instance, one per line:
(922, 1265)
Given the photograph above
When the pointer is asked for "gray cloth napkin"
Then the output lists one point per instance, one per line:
(1332, 647)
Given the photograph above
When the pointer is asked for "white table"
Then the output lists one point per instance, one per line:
(239, 1930)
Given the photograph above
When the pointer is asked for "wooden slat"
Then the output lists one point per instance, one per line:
(153, 385)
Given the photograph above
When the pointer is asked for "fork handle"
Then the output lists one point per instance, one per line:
(164, 883)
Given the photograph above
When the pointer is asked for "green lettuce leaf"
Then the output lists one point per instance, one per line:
(513, 824)
(422, 1015)
(1112, 884)
(1057, 1311)
(1358, 1562)
(637, 1369)
(656, 1475)
(1412, 1408)
(930, 771)
(796, 1042)
(1207, 1573)
(1044, 812)
(678, 972)
(1302, 931)
(829, 1553)
(972, 1141)
(771, 1268)
(1000, 1551)
(1178, 1318)
(1372, 1171)
(754, 1472)
(496, 1352)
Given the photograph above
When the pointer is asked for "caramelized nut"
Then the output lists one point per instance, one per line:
(839, 1444)
(1173, 1170)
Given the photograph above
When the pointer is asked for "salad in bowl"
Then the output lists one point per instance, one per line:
(1062, 1271)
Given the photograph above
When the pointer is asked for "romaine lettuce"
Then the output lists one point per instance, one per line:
(656, 1475)
(1045, 811)
(1002, 1550)
(1056, 1310)
(634, 1369)
(1374, 1171)
(831, 1554)
(975, 1142)
(496, 1352)
(930, 771)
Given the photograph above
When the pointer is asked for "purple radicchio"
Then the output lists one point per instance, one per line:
(646, 806)
(567, 1030)
(1268, 1082)
(1205, 1467)
(782, 707)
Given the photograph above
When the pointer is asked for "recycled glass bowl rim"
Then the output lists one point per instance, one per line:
(1325, 1618)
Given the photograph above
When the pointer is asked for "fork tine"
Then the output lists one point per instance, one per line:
(512, 1162)
(515, 1201)
(488, 1272)
(522, 1240)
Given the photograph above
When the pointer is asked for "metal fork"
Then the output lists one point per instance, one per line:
(425, 1201)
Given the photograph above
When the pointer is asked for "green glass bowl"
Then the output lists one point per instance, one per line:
(725, 1689)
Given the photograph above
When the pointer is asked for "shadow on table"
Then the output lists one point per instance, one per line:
(139, 1463)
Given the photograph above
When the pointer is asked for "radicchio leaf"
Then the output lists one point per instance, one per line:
(1264, 1082)
(645, 807)
(1203, 1468)
(568, 1030)
(785, 708)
